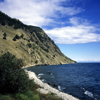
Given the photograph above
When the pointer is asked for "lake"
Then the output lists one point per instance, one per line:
(81, 80)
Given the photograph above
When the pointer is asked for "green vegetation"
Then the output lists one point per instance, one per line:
(52, 94)
(29, 42)
(4, 36)
(34, 47)
(5, 19)
(36, 61)
(47, 56)
(44, 48)
(16, 37)
(6, 97)
(14, 82)
(12, 77)
(22, 36)
(54, 55)
(29, 45)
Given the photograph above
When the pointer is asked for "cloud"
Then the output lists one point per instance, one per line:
(77, 32)
(38, 12)
(46, 13)
(91, 60)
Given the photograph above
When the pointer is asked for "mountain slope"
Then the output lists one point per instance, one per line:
(30, 43)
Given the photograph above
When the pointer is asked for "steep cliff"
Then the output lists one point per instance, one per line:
(30, 43)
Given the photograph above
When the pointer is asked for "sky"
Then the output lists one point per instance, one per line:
(74, 25)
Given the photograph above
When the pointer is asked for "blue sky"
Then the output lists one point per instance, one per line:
(74, 25)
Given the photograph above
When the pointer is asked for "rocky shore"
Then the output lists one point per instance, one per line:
(45, 88)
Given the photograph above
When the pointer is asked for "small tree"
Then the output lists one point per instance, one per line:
(4, 35)
(12, 76)
(16, 37)
(29, 45)
(22, 36)
(36, 61)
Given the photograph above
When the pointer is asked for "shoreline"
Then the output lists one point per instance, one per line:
(29, 65)
(45, 88)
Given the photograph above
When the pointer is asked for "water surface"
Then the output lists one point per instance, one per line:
(81, 80)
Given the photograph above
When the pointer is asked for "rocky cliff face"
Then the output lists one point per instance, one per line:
(30, 43)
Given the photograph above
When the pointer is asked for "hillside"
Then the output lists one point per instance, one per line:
(30, 43)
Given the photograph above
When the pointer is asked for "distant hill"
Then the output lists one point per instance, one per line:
(30, 43)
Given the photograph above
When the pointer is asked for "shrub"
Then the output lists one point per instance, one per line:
(28, 40)
(3, 23)
(12, 76)
(53, 55)
(29, 94)
(47, 56)
(29, 45)
(22, 36)
(45, 49)
(23, 97)
(16, 37)
(17, 25)
(36, 97)
(4, 35)
(32, 85)
(32, 39)
(52, 94)
(5, 97)
(36, 61)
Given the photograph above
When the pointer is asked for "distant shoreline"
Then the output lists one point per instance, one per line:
(27, 66)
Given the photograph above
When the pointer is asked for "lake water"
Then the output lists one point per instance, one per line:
(81, 80)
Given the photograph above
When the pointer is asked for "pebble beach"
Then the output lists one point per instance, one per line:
(45, 88)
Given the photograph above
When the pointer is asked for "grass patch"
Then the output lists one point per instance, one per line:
(6, 97)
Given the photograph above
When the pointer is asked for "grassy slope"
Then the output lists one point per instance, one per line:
(42, 49)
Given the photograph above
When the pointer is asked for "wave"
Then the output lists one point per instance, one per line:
(43, 80)
(39, 75)
(59, 88)
(89, 94)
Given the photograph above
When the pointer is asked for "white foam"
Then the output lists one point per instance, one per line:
(40, 74)
(45, 88)
(88, 93)
(43, 80)
(39, 77)
(59, 88)
(51, 74)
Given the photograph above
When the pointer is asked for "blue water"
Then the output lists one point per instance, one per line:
(81, 80)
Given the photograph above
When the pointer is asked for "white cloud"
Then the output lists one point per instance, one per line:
(76, 33)
(48, 12)
(91, 60)
(37, 12)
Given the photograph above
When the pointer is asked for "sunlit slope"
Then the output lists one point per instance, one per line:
(30, 43)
